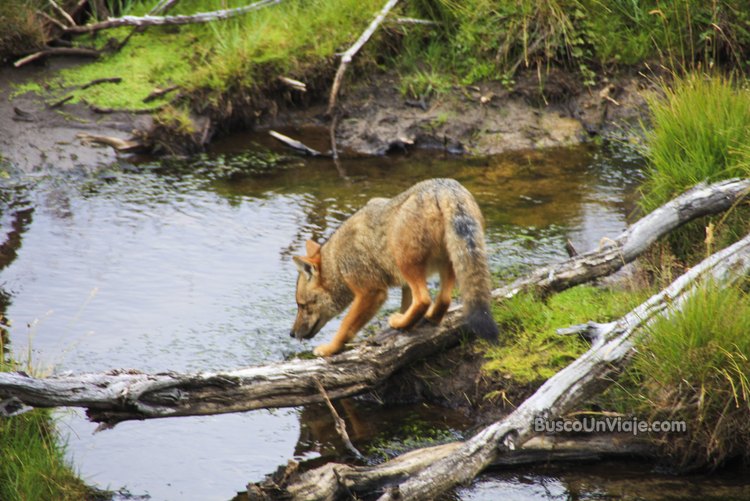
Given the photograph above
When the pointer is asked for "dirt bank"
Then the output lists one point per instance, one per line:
(480, 120)
(375, 119)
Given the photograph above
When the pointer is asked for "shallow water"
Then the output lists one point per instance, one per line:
(154, 268)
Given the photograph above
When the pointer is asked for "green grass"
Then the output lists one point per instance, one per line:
(700, 131)
(32, 461)
(530, 350)
(481, 39)
(225, 61)
(695, 366)
(33, 465)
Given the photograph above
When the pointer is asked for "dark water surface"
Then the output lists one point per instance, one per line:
(156, 269)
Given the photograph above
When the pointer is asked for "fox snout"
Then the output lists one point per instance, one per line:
(305, 328)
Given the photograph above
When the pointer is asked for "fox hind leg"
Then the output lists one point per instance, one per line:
(443, 300)
(416, 279)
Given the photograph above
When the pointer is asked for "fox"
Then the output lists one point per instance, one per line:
(433, 227)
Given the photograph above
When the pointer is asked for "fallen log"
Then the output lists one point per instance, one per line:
(126, 395)
(542, 449)
(430, 472)
(201, 17)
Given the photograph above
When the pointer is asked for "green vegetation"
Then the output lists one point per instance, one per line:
(531, 350)
(221, 62)
(479, 39)
(21, 30)
(33, 465)
(700, 131)
(693, 366)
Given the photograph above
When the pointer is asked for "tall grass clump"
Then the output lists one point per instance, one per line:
(700, 132)
(695, 366)
(21, 29)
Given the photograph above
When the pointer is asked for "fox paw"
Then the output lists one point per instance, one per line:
(326, 350)
(398, 321)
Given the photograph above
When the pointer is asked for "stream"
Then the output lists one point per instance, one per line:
(187, 267)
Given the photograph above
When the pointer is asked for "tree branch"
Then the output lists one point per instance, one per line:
(202, 17)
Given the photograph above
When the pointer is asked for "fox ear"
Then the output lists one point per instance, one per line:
(312, 248)
(309, 267)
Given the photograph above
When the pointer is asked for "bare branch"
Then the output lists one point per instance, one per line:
(202, 17)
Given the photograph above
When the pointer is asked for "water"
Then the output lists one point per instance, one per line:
(158, 269)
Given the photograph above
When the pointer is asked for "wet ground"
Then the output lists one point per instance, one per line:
(187, 267)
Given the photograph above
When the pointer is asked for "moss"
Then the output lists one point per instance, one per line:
(530, 350)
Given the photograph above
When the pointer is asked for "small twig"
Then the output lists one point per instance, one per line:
(62, 101)
(99, 81)
(51, 19)
(56, 51)
(414, 20)
(338, 422)
(62, 12)
(294, 84)
(157, 93)
(570, 248)
(347, 56)
(294, 144)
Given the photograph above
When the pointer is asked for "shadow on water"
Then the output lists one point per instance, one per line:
(187, 266)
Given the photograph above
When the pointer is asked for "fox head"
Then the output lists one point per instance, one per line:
(315, 305)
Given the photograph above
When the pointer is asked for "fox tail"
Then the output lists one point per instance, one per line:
(468, 254)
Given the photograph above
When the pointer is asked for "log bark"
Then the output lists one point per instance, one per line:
(331, 480)
(202, 17)
(430, 472)
(127, 395)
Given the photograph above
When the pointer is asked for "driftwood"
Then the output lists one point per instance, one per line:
(126, 395)
(201, 17)
(427, 473)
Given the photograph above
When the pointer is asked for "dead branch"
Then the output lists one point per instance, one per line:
(338, 422)
(56, 51)
(119, 396)
(428, 473)
(62, 12)
(99, 81)
(347, 56)
(202, 17)
(294, 144)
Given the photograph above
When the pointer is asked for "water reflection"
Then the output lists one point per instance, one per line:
(158, 269)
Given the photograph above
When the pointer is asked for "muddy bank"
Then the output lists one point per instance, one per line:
(36, 134)
(375, 119)
(485, 119)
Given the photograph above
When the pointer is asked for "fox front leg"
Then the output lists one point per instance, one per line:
(364, 306)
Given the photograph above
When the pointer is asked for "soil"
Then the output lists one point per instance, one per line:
(375, 119)
(34, 136)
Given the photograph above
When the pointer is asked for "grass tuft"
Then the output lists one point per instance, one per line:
(695, 366)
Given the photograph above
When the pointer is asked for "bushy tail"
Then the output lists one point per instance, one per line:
(467, 251)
